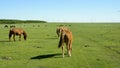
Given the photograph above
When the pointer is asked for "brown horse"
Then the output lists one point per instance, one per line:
(65, 37)
(18, 32)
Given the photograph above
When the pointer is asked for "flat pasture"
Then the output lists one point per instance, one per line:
(95, 45)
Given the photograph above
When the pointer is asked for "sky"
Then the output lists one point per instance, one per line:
(61, 10)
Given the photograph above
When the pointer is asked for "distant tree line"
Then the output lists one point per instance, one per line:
(5, 21)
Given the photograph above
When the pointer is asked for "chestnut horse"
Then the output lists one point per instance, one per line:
(65, 37)
(18, 32)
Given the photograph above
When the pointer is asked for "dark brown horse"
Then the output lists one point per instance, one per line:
(65, 37)
(18, 32)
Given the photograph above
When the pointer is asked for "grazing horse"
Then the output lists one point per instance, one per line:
(17, 31)
(65, 37)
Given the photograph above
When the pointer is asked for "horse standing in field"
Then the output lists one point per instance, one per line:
(65, 37)
(18, 32)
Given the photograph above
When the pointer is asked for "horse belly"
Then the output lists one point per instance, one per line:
(17, 34)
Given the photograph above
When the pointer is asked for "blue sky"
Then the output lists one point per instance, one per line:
(61, 10)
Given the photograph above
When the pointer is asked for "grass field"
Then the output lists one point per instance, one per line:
(94, 46)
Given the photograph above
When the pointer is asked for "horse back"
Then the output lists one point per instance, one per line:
(68, 34)
(17, 31)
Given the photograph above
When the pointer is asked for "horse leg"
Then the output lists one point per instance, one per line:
(63, 51)
(69, 52)
(14, 37)
(68, 48)
(10, 37)
(20, 37)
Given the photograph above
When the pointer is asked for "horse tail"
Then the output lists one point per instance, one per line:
(25, 35)
(61, 39)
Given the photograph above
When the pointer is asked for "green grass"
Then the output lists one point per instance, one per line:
(94, 46)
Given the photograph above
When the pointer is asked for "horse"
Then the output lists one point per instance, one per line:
(65, 37)
(17, 32)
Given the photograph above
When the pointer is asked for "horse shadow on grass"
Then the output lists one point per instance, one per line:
(4, 41)
(46, 56)
(52, 38)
